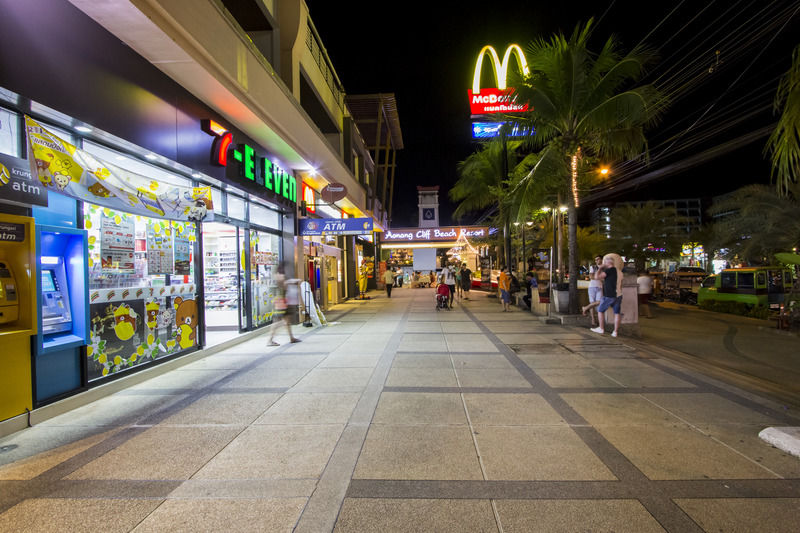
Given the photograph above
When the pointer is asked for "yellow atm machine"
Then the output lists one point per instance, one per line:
(18, 313)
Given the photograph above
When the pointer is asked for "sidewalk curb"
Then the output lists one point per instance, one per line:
(783, 438)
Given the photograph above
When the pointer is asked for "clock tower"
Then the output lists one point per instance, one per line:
(428, 206)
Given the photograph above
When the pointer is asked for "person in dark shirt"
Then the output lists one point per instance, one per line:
(612, 295)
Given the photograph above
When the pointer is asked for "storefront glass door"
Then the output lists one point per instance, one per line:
(221, 272)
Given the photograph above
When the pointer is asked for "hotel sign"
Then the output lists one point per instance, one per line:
(496, 99)
(441, 234)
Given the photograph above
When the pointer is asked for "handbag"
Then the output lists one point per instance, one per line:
(280, 304)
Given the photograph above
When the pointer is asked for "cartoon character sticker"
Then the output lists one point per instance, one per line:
(186, 321)
(124, 322)
(151, 312)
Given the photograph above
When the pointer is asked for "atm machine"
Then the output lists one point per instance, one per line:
(56, 315)
(9, 299)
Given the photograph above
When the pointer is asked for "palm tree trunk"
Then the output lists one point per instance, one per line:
(572, 236)
(573, 258)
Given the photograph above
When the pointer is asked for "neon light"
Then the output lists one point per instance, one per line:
(309, 198)
(213, 128)
(220, 150)
(500, 69)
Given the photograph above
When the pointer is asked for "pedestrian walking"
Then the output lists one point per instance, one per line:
(504, 284)
(449, 278)
(531, 284)
(595, 290)
(610, 273)
(458, 282)
(285, 304)
(399, 276)
(388, 280)
(644, 289)
(466, 280)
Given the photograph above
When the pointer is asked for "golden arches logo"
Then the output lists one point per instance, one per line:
(500, 67)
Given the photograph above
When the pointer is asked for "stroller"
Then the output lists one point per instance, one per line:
(442, 297)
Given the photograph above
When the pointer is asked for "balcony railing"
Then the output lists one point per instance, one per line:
(325, 68)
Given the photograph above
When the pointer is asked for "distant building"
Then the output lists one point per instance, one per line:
(690, 214)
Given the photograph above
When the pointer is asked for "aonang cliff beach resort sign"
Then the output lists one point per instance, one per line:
(441, 234)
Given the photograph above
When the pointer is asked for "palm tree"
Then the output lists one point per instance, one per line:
(582, 106)
(784, 143)
(484, 181)
(757, 221)
(646, 232)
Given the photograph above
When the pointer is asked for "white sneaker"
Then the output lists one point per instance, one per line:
(614, 334)
(598, 330)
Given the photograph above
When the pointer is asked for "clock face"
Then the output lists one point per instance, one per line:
(428, 214)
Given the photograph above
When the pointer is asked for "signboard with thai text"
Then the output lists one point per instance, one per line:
(498, 99)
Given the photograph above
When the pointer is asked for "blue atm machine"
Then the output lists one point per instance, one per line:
(63, 294)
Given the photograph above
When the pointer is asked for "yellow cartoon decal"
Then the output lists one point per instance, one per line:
(124, 322)
(186, 321)
(99, 190)
(151, 311)
(149, 201)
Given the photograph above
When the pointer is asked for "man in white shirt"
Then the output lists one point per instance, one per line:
(449, 279)
(595, 290)
(645, 290)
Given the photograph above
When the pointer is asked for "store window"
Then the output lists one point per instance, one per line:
(264, 260)
(142, 290)
(9, 133)
(264, 216)
(237, 207)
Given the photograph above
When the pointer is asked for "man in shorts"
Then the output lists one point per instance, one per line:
(466, 280)
(595, 289)
(504, 284)
(612, 296)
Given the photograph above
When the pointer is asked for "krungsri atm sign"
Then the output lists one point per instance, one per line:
(496, 99)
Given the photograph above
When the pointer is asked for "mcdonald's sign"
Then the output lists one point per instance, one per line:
(496, 99)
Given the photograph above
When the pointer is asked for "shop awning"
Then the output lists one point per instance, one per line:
(66, 169)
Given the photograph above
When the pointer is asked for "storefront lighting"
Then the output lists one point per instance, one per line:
(213, 128)
(563, 209)
(49, 260)
(151, 156)
(196, 175)
(83, 129)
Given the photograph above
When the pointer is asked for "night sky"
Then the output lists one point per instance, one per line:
(426, 57)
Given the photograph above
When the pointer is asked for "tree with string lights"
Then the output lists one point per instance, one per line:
(583, 105)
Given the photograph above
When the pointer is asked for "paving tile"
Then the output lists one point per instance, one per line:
(524, 338)
(160, 453)
(331, 379)
(625, 362)
(469, 343)
(618, 410)
(115, 410)
(423, 327)
(539, 349)
(514, 327)
(537, 453)
(266, 377)
(490, 377)
(419, 408)
(262, 452)
(479, 360)
(223, 361)
(298, 408)
(230, 408)
(510, 410)
(680, 452)
(575, 377)
(645, 377)
(460, 327)
(421, 377)
(409, 360)
(744, 439)
(245, 488)
(407, 516)
(418, 452)
(567, 516)
(76, 515)
(191, 515)
(452, 316)
(559, 360)
(744, 514)
(355, 360)
(183, 379)
(34, 465)
(703, 408)
(293, 361)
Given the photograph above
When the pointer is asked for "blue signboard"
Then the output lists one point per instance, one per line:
(335, 226)
(487, 130)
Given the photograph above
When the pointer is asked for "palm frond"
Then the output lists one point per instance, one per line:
(784, 143)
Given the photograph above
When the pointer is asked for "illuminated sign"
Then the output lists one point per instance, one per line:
(487, 130)
(251, 167)
(335, 226)
(309, 199)
(448, 233)
(692, 249)
(498, 99)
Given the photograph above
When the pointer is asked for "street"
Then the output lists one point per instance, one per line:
(748, 352)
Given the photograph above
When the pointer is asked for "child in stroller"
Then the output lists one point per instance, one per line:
(442, 296)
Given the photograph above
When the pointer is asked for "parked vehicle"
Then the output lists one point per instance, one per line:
(766, 286)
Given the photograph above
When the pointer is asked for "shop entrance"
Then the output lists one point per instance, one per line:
(222, 273)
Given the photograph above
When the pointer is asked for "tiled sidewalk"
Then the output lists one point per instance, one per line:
(401, 418)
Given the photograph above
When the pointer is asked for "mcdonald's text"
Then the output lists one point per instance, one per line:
(488, 101)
